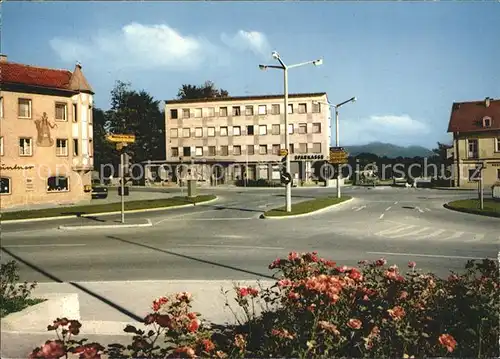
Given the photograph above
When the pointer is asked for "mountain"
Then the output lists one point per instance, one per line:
(389, 150)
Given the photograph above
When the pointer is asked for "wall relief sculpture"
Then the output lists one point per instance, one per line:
(43, 127)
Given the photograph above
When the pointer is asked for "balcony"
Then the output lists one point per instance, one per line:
(82, 164)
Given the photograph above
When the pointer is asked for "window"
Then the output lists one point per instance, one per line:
(302, 108)
(316, 127)
(211, 112)
(250, 130)
(276, 149)
(223, 112)
(487, 122)
(61, 112)
(186, 151)
(25, 146)
(4, 185)
(236, 131)
(497, 147)
(75, 146)
(174, 132)
(291, 149)
(90, 114)
(250, 150)
(174, 114)
(237, 150)
(1, 107)
(263, 149)
(263, 130)
(290, 108)
(61, 147)
(57, 184)
(75, 112)
(199, 151)
(302, 128)
(24, 108)
(302, 147)
(262, 110)
(316, 107)
(211, 150)
(498, 174)
(224, 150)
(186, 113)
(198, 132)
(290, 128)
(211, 132)
(316, 148)
(175, 151)
(473, 149)
(186, 132)
(91, 148)
(275, 109)
(223, 131)
(236, 111)
(249, 110)
(276, 130)
(198, 112)
(1, 146)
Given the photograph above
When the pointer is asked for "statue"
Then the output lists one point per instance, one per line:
(43, 127)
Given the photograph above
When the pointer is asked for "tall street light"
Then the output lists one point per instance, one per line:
(285, 69)
(337, 133)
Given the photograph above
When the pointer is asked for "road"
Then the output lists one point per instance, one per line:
(227, 240)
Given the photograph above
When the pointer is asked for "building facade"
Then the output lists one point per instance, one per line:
(45, 135)
(222, 140)
(476, 141)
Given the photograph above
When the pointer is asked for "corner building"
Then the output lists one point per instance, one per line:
(222, 140)
(45, 136)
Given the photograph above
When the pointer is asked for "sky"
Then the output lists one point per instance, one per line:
(406, 62)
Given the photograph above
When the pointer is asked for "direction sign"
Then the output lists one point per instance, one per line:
(121, 138)
(338, 155)
(476, 175)
(283, 152)
(286, 178)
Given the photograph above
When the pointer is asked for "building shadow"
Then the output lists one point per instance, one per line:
(222, 207)
(83, 215)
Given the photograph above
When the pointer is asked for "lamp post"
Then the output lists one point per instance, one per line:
(285, 68)
(337, 133)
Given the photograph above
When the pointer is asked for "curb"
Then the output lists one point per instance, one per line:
(263, 216)
(473, 212)
(72, 228)
(106, 213)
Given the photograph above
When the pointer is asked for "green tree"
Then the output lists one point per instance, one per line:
(207, 90)
(104, 152)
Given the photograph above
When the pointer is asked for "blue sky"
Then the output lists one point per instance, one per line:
(406, 62)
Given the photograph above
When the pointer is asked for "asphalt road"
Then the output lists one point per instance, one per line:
(227, 240)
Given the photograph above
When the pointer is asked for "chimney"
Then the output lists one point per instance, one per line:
(487, 102)
(3, 58)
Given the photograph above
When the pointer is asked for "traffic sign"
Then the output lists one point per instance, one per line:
(121, 138)
(286, 178)
(476, 175)
(338, 155)
(283, 152)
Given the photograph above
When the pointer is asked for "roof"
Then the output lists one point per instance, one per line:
(468, 116)
(21, 74)
(245, 98)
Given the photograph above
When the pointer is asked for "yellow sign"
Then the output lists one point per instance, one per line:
(283, 152)
(121, 138)
(338, 157)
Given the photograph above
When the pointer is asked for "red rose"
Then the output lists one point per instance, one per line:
(448, 342)
(354, 323)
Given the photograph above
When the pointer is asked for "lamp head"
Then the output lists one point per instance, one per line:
(318, 62)
(276, 55)
(263, 67)
(354, 99)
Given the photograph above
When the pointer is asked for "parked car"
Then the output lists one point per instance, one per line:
(99, 192)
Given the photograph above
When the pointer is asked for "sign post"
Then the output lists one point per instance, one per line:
(122, 141)
(338, 156)
(477, 175)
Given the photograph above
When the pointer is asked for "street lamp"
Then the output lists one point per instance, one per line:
(337, 135)
(285, 69)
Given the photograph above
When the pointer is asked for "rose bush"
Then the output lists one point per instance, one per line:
(319, 309)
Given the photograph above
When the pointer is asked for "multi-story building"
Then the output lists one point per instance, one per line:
(45, 135)
(226, 139)
(476, 141)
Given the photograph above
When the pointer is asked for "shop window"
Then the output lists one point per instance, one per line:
(57, 184)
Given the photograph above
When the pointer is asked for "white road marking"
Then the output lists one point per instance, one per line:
(381, 216)
(360, 208)
(432, 235)
(228, 236)
(388, 208)
(419, 209)
(44, 245)
(423, 255)
(396, 202)
(427, 209)
(411, 233)
(393, 230)
(477, 238)
(455, 235)
(182, 215)
(223, 246)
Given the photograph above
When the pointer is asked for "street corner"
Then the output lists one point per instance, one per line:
(109, 224)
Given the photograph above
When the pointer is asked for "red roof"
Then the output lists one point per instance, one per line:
(34, 76)
(468, 116)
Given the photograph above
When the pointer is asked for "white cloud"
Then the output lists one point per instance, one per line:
(140, 46)
(400, 130)
(248, 40)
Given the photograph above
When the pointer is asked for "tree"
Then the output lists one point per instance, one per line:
(103, 149)
(441, 151)
(207, 90)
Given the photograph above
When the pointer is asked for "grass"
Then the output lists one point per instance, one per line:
(491, 207)
(306, 206)
(13, 305)
(107, 207)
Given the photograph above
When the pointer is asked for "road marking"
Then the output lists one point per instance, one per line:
(393, 230)
(419, 209)
(411, 233)
(432, 235)
(454, 236)
(182, 215)
(224, 246)
(396, 202)
(222, 219)
(423, 255)
(427, 209)
(228, 236)
(388, 208)
(477, 238)
(381, 216)
(44, 245)
(360, 208)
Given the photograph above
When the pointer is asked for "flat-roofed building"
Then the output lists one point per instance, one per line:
(45, 135)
